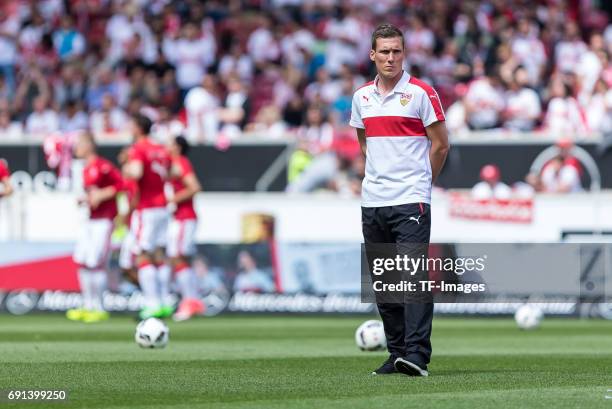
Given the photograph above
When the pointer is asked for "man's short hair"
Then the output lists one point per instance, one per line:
(89, 137)
(386, 31)
(143, 122)
(181, 141)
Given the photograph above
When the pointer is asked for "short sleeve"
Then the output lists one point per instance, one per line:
(356, 121)
(186, 168)
(115, 178)
(4, 171)
(430, 107)
(135, 155)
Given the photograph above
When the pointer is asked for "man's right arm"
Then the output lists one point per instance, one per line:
(362, 140)
(357, 123)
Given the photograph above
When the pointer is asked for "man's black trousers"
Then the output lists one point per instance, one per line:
(407, 326)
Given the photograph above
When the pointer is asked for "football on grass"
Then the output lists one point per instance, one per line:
(152, 333)
(528, 317)
(370, 336)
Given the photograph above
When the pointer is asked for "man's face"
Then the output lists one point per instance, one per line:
(388, 56)
(83, 147)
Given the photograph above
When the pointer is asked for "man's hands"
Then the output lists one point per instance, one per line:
(96, 196)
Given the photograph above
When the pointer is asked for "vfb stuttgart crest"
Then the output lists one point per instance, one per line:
(405, 99)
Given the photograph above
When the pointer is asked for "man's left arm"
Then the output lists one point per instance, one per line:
(99, 195)
(432, 115)
(438, 135)
(8, 187)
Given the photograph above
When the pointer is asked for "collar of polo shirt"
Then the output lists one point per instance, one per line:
(400, 87)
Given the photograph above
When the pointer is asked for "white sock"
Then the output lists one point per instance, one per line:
(85, 282)
(98, 278)
(147, 278)
(187, 282)
(164, 276)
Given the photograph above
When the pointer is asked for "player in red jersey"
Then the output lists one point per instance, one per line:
(5, 181)
(149, 165)
(101, 181)
(127, 254)
(181, 233)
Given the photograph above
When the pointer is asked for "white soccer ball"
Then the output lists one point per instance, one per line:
(152, 333)
(370, 336)
(528, 316)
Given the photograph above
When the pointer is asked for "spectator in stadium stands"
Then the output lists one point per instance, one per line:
(484, 102)
(523, 107)
(9, 30)
(166, 128)
(599, 108)
(103, 83)
(313, 164)
(456, 116)
(5, 92)
(590, 67)
(324, 87)
(563, 115)
(343, 32)
(293, 114)
(192, 53)
(43, 120)
(73, 118)
(121, 28)
(297, 45)
(201, 105)
(529, 50)
(69, 85)
(236, 62)
(9, 130)
(305, 57)
(569, 50)
(560, 177)
(32, 85)
(68, 41)
(261, 44)
(144, 85)
(236, 108)
(490, 185)
(268, 123)
(30, 36)
(420, 41)
(109, 120)
(341, 107)
(562, 174)
(250, 278)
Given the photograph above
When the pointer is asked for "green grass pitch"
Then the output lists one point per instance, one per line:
(304, 362)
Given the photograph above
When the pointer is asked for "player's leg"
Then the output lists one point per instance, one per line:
(126, 258)
(375, 231)
(164, 270)
(97, 261)
(79, 257)
(411, 223)
(143, 230)
(181, 252)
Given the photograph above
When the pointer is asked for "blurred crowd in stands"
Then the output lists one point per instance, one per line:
(220, 70)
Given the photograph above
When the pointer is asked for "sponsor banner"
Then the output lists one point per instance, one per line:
(462, 206)
(26, 301)
(318, 279)
(37, 266)
(312, 268)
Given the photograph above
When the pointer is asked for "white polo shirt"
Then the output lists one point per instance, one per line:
(398, 170)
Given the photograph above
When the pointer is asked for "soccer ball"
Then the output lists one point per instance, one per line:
(370, 336)
(528, 316)
(152, 333)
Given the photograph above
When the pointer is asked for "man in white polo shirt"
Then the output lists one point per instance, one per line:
(401, 130)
